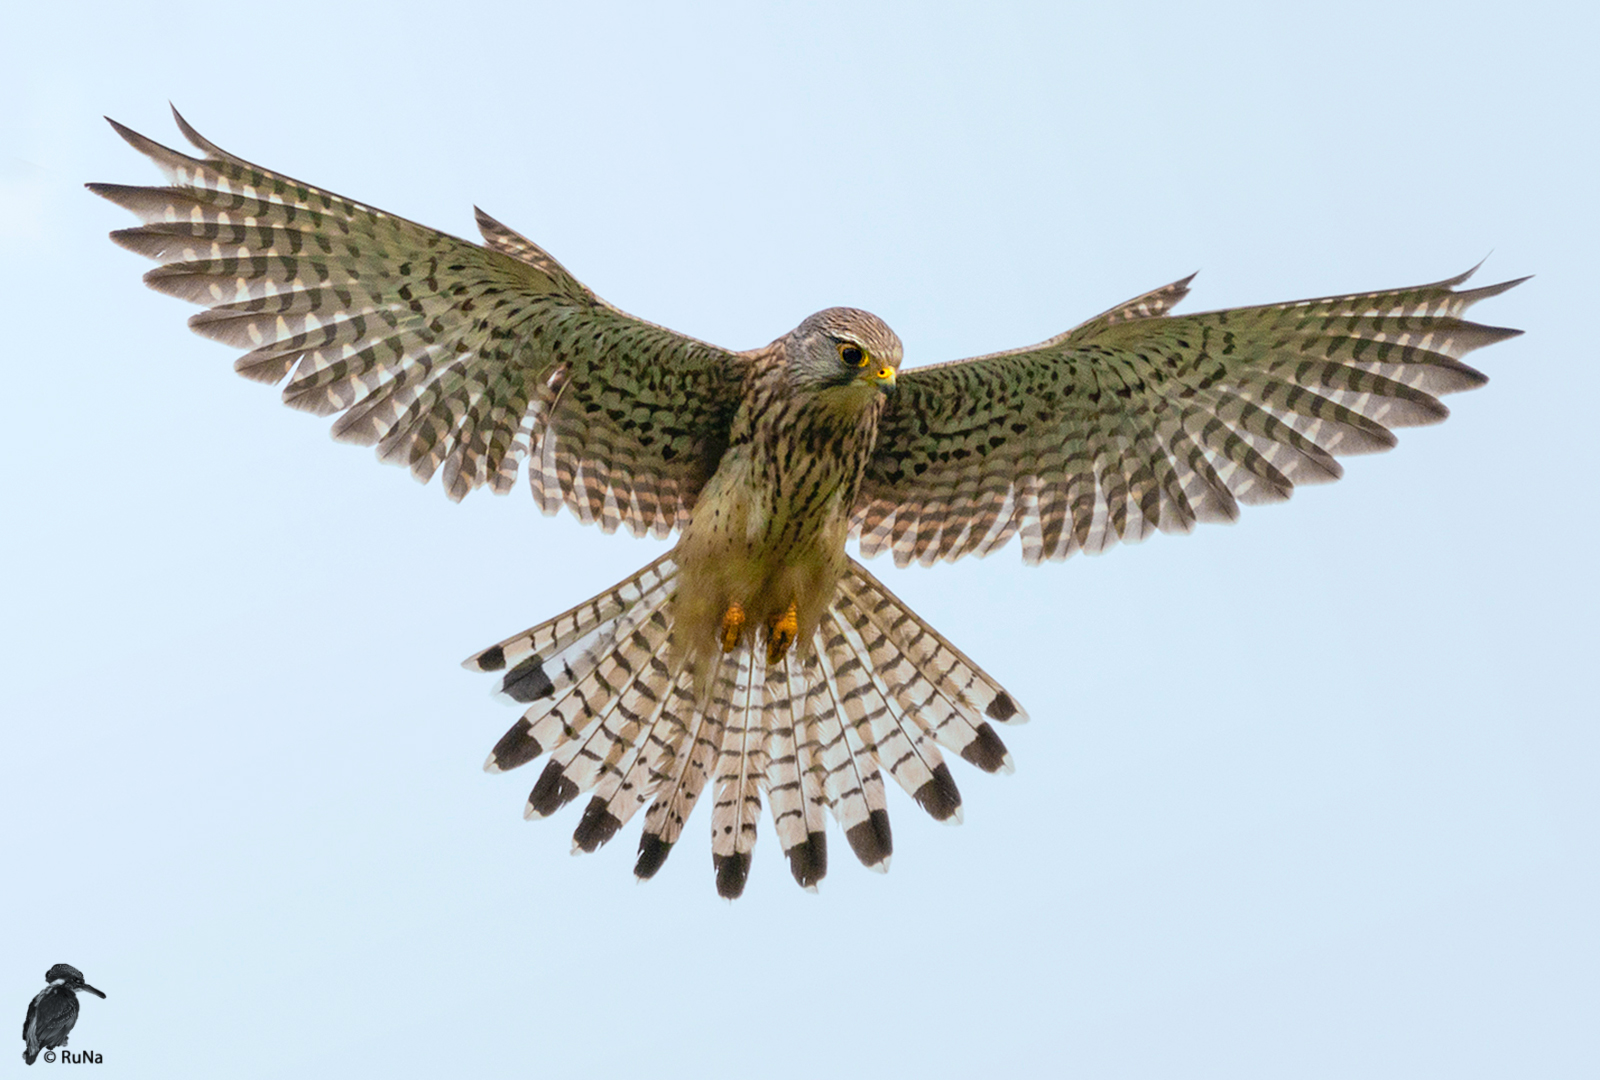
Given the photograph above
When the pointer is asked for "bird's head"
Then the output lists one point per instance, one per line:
(70, 976)
(847, 353)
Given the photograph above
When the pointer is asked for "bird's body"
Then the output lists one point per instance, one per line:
(756, 656)
(53, 1012)
(768, 531)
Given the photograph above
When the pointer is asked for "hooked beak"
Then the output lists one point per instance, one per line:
(881, 376)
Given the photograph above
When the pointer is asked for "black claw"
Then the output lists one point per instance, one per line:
(808, 860)
(598, 826)
(516, 747)
(552, 792)
(870, 839)
(987, 752)
(653, 851)
(939, 796)
(527, 682)
(732, 872)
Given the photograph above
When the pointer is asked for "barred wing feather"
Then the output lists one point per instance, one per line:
(1139, 421)
(449, 357)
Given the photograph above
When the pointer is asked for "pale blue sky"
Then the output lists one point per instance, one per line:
(1308, 796)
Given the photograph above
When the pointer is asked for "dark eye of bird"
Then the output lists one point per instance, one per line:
(852, 355)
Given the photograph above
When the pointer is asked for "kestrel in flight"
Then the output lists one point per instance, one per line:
(757, 655)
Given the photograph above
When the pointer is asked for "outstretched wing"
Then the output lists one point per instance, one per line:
(444, 354)
(1138, 421)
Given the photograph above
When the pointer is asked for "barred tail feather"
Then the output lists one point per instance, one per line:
(794, 776)
(741, 772)
(852, 783)
(901, 743)
(878, 689)
(933, 681)
(570, 646)
(627, 786)
(680, 769)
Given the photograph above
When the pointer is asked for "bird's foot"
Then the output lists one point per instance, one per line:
(732, 626)
(781, 633)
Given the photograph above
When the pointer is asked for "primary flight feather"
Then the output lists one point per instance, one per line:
(756, 657)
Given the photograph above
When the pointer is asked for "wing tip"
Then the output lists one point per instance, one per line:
(164, 156)
(197, 140)
(130, 136)
(106, 191)
(1483, 292)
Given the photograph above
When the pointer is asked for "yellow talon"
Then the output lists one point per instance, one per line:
(732, 626)
(781, 633)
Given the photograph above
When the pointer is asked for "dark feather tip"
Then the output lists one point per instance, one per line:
(516, 747)
(1002, 708)
(732, 872)
(808, 860)
(939, 796)
(987, 752)
(527, 682)
(491, 659)
(552, 792)
(653, 851)
(871, 840)
(598, 826)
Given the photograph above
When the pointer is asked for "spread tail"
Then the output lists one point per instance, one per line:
(878, 689)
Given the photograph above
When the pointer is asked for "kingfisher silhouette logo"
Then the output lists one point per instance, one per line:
(52, 1014)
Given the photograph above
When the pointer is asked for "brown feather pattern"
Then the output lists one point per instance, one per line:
(464, 360)
(1137, 421)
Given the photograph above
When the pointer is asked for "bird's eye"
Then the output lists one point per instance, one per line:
(853, 355)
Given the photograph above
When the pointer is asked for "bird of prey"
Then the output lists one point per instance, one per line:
(757, 656)
(53, 1011)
